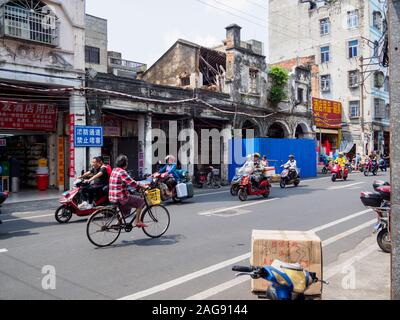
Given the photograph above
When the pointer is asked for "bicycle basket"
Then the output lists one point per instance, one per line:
(154, 197)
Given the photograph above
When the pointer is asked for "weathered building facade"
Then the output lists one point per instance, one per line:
(338, 34)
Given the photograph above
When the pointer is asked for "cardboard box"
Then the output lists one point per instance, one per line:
(276, 178)
(288, 246)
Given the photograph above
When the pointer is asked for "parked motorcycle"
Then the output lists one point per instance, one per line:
(289, 281)
(338, 173)
(235, 185)
(71, 199)
(246, 188)
(379, 201)
(383, 165)
(289, 176)
(3, 198)
(371, 166)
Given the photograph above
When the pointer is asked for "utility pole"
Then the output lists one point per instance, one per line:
(362, 107)
(394, 60)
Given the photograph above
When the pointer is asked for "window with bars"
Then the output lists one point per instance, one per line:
(326, 83)
(353, 79)
(354, 109)
(325, 26)
(92, 55)
(377, 20)
(380, 108)
(30, 20)
(254, 80)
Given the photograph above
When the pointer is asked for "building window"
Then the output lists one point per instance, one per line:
(325, 54)
(254, 76)
(326, 83)
(386, 84)
(353, 49)
(354, 109)
(353, 79)
(380, 108)
(92, 55)
(377, 20)
(325, 26)
(376, 49)
(353, 19)
(185, 81)
(300, 95)
(379, 79)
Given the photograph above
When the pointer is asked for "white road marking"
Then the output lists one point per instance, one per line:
(29, 218)
(254, 203)
(3, 250)
(210, 194)
(219, 266)
(334, 223)
(345, 186)
(237, 281)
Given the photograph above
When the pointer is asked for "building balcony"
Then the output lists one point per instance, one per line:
(29, 25)
(126, 65)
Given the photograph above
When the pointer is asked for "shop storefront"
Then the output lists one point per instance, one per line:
(28, 132)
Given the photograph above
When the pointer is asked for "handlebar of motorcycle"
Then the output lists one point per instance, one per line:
(243, 269)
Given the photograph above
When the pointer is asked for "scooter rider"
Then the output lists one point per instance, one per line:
(292, 163)
(258, 169)
(341, 161)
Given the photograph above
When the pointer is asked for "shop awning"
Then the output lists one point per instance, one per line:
(349, 147)
(327, 131)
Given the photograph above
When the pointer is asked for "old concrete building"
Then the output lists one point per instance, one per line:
(238, 69)
(96, 43)
(338, 34)
(42, 70)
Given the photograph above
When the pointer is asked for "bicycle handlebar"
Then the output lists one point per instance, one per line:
(243, 269)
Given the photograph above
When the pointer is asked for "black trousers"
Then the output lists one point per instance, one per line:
(92, 192)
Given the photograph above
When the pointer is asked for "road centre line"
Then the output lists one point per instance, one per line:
(254, 203)
(345, 186)
(3, 250)
(29, 218)
(331, 272)
(194, 275)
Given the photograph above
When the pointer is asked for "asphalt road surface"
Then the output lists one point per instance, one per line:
(208, 235)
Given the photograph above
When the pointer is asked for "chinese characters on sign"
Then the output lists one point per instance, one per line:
(88, 137)
(327, 113)
(61, 159)
(71, 146)
(28, 116)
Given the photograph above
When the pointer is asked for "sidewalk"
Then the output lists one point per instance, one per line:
(360, 274)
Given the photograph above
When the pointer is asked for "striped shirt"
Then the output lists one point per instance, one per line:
(119, 182)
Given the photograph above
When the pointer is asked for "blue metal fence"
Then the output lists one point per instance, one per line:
(277, 152)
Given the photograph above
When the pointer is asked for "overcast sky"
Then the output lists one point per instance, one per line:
(144, 29)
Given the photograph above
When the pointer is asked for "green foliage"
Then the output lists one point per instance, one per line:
(279, 78)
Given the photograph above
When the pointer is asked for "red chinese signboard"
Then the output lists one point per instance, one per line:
(327, 113)
(28, 116)
(71, 146)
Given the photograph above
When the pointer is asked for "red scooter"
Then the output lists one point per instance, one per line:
(246, 188)
(338, 173)
(71, 199)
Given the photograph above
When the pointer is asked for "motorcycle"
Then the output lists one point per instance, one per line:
(383, 165)
(71, 199)
(289, 281)
(327, 168)
(235, 185)
(371, 166)
(379, 202)
(289, 176)
(3, 198)
(246, 188)
(339, 173)
(167, 185)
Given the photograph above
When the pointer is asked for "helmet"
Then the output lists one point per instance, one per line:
(257, 155)
(170, 157)
(291, 156)
(341, 154)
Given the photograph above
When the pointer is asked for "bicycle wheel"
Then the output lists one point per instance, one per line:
(104, 227)
(157, 219)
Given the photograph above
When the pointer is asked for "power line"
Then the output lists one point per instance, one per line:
(256, 4)
(240, 11)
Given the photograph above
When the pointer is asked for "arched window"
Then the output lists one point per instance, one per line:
(379, 79)
(31, 20)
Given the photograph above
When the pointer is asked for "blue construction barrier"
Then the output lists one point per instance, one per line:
(277, 152)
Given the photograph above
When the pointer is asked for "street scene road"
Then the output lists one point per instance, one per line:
(208, 235)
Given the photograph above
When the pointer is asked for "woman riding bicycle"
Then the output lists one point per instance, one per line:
(120, 180)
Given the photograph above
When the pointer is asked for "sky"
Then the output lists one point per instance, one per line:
(142, 30)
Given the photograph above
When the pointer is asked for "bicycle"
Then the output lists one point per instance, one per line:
(109, 222)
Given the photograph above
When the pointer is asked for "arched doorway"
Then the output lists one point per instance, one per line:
(250, 125)
(276, 131)
(299, 132)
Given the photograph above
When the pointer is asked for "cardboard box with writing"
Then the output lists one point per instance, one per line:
(288, 246)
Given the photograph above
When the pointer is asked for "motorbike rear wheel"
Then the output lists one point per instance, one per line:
(234, 191)
(243, 195)
(63, 214)
(366, 173)
(324, 170)
(384, 242)
(297, 183)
